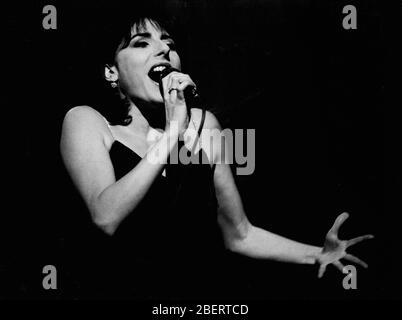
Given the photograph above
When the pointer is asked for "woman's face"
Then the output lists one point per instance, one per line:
(148, 48)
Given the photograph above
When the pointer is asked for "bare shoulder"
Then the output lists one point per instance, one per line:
(211, 122)
(85, 120)
(86, 114)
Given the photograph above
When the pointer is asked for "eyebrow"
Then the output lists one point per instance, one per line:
(164, 36)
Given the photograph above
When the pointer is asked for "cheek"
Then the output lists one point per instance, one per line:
(175, 60)
(129, 69)
(130, 78)
(178, 63)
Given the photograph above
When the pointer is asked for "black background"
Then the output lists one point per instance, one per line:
(323, 100)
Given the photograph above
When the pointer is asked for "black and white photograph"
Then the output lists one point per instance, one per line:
(198, 157)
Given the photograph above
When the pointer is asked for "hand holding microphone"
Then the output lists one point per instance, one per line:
(180, 95)
(191, 95)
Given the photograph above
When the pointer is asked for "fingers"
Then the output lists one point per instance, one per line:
(183, 80)
(173, 91)
(338, 222)
(183, 84)
(339, 265)
(356, 260)
(358, 239)
(322, 270)
(170, 89)
(165, 88)
(168, 85)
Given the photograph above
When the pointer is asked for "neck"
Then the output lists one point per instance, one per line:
(146, 117)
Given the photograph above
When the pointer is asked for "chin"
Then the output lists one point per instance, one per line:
(156, 100)
(155, 103)
(151, 98)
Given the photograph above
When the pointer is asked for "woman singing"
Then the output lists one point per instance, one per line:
(166, 221)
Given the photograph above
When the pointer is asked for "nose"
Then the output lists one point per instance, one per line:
(163, 49)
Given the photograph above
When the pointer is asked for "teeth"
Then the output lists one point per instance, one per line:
(159, 68)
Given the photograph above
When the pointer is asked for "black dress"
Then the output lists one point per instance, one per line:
(170, 246)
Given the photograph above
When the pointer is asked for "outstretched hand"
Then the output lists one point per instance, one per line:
(335, 249)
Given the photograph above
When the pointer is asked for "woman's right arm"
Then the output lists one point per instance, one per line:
(86, 157)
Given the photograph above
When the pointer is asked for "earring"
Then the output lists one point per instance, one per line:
(113, 84)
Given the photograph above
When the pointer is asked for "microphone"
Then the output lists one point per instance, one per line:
(191, 95)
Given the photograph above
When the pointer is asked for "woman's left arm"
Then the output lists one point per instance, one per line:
(242, 237)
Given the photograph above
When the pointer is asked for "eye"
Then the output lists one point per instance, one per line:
(140, 44)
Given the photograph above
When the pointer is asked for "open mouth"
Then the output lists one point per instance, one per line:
(157, 70)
